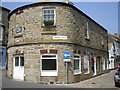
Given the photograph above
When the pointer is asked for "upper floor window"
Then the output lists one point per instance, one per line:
(49, 16)
(86, 29)
(1, 32)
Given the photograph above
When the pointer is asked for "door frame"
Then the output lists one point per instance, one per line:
(18, 66)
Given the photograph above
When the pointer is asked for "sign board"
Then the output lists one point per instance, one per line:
(59, 37)
(67, 56)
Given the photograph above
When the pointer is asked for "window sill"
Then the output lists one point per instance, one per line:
(50, 32)
(77, 72)
(49, 73)
(49, 26)
(87, 38)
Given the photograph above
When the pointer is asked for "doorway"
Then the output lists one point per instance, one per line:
(18, 67)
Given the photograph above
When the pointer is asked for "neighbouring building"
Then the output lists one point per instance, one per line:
(114, 50)
(40, 34)
(3, 35)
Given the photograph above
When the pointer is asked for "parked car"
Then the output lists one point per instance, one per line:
(117, 78)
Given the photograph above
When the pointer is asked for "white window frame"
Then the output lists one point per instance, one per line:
(88, 65)
(54, 14)
(49, 72)
(1, 33)
(77, 71)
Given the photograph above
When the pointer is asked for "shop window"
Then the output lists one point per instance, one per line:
(49, 16)
(86, 64)
(49, 65)
(77, 64)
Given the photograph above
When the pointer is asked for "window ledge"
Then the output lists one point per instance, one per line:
(87, 38)
(51, 26)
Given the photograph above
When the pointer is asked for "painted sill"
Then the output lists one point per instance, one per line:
(86, 38)
(77, 72)
(51, 26)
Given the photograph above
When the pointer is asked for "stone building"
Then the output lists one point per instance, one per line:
(41, 33)
(3, 35)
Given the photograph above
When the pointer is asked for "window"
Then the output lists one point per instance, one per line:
(49, 16)
(86, 29)
(103, 62)
(1, 32)
(77, 64)
(86, 64)
(49, 65)
(19, 61)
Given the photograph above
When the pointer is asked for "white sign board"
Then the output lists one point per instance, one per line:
(59, 37)
(66, 60)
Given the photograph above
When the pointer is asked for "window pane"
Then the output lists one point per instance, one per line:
(21, 61)
(76, 64)
(48, 64)
(52, 11)
(48, 14)
(16, 61)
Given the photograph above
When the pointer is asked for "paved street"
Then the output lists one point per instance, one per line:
(103, 81)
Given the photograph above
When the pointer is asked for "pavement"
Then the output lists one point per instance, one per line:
(102, 81)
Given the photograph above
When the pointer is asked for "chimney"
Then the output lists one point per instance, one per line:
(68, 2)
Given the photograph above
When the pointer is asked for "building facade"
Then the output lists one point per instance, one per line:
(41, 33)
(114, 50)
(3, 35)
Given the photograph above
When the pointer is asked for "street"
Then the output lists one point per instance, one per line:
(103, 81)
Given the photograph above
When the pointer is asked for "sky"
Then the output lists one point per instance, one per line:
(104, 13)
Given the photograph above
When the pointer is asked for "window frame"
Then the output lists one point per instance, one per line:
(19, 58)
(49, 72)
(86, 29)
(88, 64)
(103, 64)
(44, 14)
(77, 71)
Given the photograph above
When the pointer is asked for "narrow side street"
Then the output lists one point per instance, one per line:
(103, 81)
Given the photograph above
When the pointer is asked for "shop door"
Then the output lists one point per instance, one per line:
(18, 69)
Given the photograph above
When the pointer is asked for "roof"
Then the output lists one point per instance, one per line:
(113, 38)
(55, 3)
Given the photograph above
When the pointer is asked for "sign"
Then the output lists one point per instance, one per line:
(66, 56)
(59, 37)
